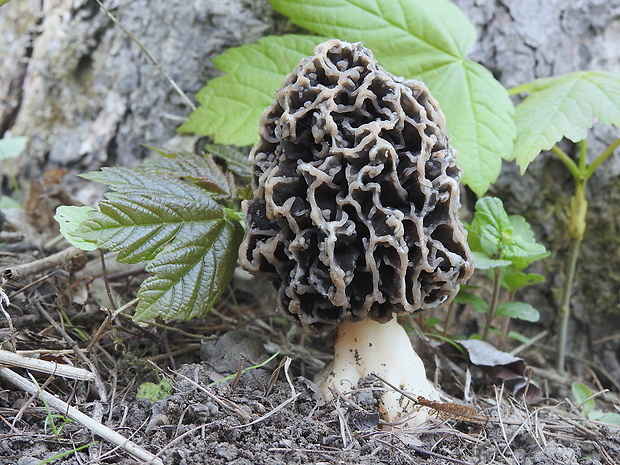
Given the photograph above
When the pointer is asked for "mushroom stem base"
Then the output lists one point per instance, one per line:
(367, 347)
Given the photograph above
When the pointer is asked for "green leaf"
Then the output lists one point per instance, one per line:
(430, 322)
(564, 107)
(475, 302)
(518, 310)
(189, 276)
(231, 105)
(610, 418)
(516, 280)
(191, 240)
(523, 234)
(484, 262)
(7, 202)
(436, 31)
(12, 147)
(201, 169)
(519, 337)
(427, 40)
(70, 220)
(500, 236)
(479, 118)
(584, 397)
(237, 161)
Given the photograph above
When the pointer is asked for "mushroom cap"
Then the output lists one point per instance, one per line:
(356, 194)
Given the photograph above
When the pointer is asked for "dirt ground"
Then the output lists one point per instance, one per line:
(258, 415)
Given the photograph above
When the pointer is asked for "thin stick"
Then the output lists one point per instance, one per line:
(102, 391)
(27, 269)
(159, 67)
(106, 281)
(96, 427)
(43, 366)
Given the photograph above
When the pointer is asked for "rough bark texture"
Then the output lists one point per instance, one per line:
(85, 94)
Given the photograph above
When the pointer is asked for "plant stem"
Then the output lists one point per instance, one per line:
(601, 158)
(571, 265)
(576, 228)
(568, 161)
(493, 304)
(576, 231)
(448, 319)
(502, 341)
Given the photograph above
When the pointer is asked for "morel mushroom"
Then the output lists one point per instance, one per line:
(355, 214)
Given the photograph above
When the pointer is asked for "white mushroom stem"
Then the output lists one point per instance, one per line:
(385, 349)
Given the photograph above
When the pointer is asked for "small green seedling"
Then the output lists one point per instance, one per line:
(65, 453)
(504, 246)
(50, 418)
(585, 401)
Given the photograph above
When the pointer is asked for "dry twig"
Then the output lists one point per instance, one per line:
(86, 421)
(28, 269)
(43, 366)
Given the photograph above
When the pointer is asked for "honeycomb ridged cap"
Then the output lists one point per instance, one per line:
(356, 194)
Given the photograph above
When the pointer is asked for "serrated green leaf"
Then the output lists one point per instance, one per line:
(191, 240)
(231, 105)
(522, 232)
(138, 227)
(191, 274)
(70, 220)
(427, 40)
(479, 119)
(475, 302)
(518, 310)
(12, 147)
(237, 161)
(433, 31)
(564, 107)
(583, 396)
(139, 180)
(201, 169)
